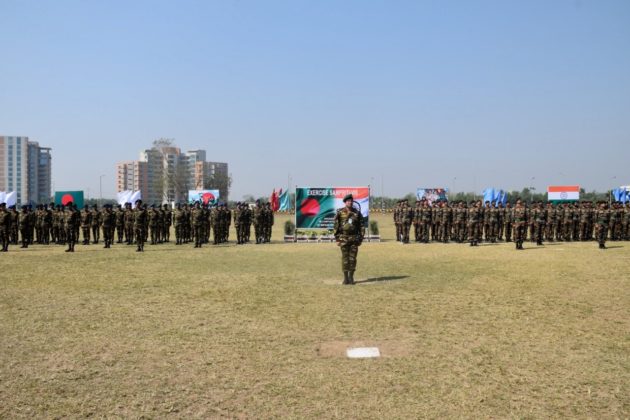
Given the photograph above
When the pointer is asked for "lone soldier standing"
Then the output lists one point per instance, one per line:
(139, 223)
(25, 218)
(72, 220)
(520, 224)
(109, 224)
(349, 236)
(602, 218)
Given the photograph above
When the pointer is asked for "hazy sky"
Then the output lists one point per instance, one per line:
(465, 95)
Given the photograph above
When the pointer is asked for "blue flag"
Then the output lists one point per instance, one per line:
(621, 194)
(284, 202)
(494, 196)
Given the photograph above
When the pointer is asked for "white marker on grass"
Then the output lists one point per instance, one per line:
(363, 353)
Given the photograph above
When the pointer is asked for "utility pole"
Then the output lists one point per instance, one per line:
(100, 184)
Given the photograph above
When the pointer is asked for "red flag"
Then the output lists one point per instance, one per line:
(274, 200)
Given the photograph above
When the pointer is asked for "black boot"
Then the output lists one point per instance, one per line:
(345, 278)
(350, 277)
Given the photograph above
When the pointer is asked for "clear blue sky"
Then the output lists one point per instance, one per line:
(463, 94)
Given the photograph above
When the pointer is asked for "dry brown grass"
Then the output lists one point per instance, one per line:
(260, 331)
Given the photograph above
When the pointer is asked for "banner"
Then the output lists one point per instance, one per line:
(65, 197)
(9, 198)
(563, 193)
(210, 197)
(495, 196)
(129, 196)
(432, 194)
(316, 207)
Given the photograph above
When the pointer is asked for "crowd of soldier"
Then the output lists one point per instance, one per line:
(476, 222)
(66, 224)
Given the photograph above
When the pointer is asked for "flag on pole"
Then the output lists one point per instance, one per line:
(129, 196)
(563, 192)
(495, 196)
(622, 194)
(9, 198)
(284, 201)
(275, 202)
(62, 198)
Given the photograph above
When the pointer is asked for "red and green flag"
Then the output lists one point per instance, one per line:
(65, 197)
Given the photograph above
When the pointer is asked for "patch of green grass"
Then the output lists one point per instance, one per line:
(261, 331)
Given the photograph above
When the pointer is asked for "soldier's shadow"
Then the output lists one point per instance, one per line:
(378, 279)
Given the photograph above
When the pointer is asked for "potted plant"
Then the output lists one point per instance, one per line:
(289, 231)
(374, 235)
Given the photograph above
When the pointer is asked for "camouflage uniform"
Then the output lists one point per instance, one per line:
(154, 224)
(129, 228)
(109, 226)
(86, 223)
(5, 227)
(507, 222)
(198, 222)
(96, 224)
(139, 223)
(602, 220)
(120, 223)
(25, 229)
(406, 217)
(72, 222)
(520, 224)
(474, 215)
(167, 223)
(348, 231)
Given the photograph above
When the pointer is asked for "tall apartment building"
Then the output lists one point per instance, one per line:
(25, 168)
(165, 174)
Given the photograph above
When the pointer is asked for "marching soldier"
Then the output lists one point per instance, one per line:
(348, 230)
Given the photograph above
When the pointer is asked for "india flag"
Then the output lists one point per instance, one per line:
(563, 192)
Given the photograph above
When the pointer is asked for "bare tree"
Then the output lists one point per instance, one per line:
(220, 181)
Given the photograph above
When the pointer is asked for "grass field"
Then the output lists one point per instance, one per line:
(261, 331)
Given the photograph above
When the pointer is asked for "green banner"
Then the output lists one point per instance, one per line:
(316, 207)
(65, 197)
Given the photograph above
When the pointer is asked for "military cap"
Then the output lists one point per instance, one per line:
(348, 197)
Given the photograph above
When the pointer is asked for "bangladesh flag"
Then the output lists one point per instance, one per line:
(65, 197)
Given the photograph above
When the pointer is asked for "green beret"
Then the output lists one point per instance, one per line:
(348, 197)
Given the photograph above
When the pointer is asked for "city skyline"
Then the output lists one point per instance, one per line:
(399, 95)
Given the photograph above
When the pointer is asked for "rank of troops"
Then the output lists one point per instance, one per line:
(133, 225)
(477, 222)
